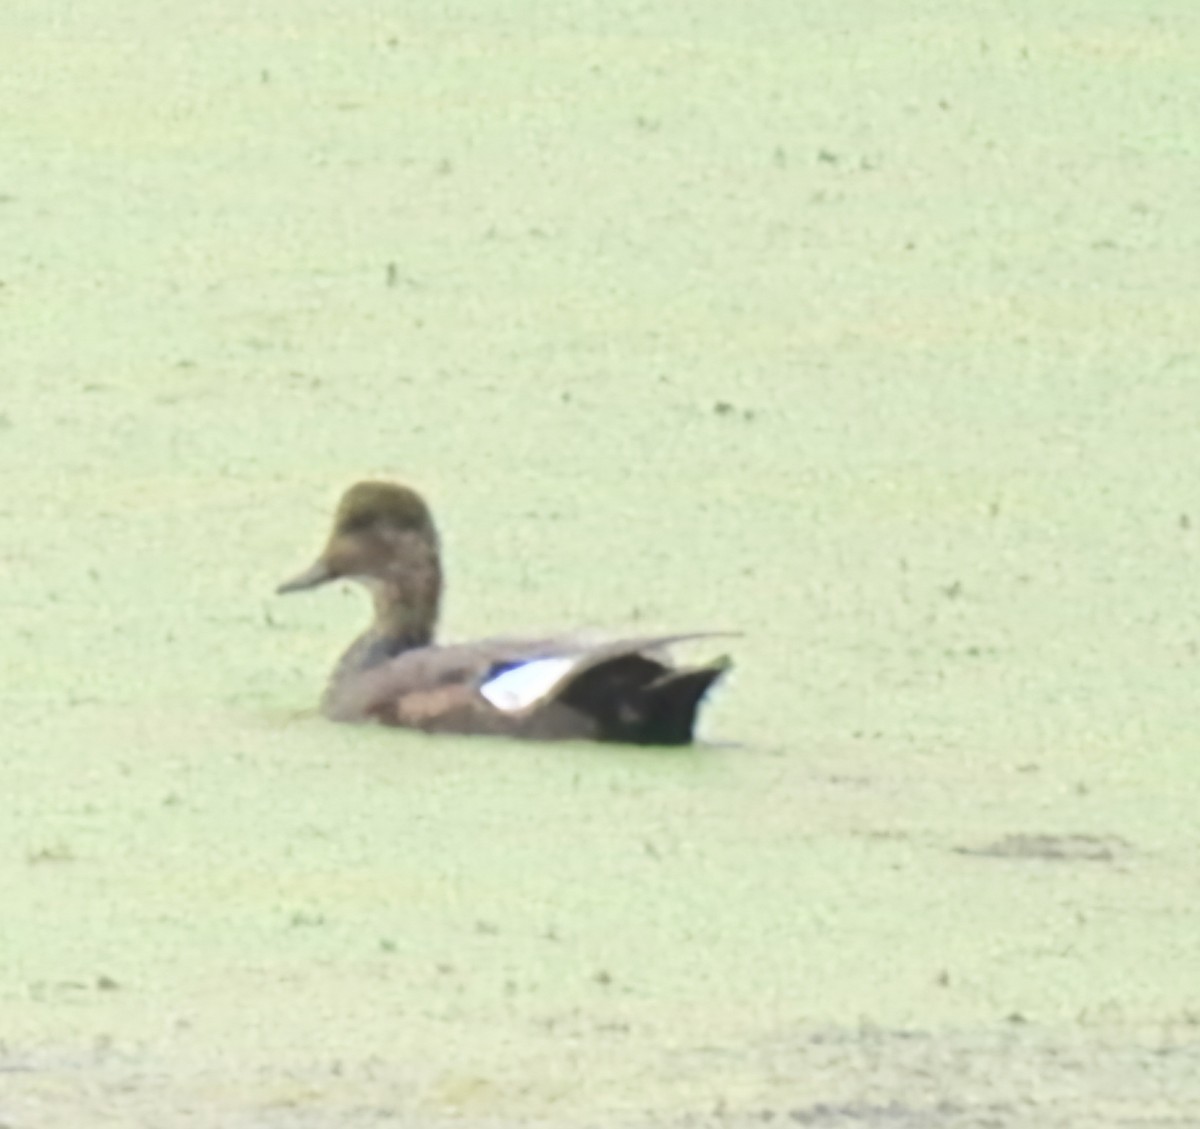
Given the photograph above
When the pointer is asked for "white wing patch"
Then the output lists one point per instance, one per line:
(520, 686)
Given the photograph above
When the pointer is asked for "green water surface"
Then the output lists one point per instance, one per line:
(867, 330)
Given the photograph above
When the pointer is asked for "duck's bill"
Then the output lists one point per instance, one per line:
(311, 577)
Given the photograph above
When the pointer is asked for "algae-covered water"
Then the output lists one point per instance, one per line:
(866, 330)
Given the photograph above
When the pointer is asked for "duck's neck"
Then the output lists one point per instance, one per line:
(407, 598)
(405, 614)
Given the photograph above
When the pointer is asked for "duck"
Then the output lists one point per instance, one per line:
(552, 688)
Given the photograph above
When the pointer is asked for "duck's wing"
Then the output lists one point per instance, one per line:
(502, 684)
(434, 674)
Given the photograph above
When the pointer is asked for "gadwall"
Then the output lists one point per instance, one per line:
(553, 688)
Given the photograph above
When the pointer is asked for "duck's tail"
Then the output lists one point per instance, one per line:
(635, 700)
(672, 701)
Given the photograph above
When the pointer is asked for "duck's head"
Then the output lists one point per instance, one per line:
(383, 536)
